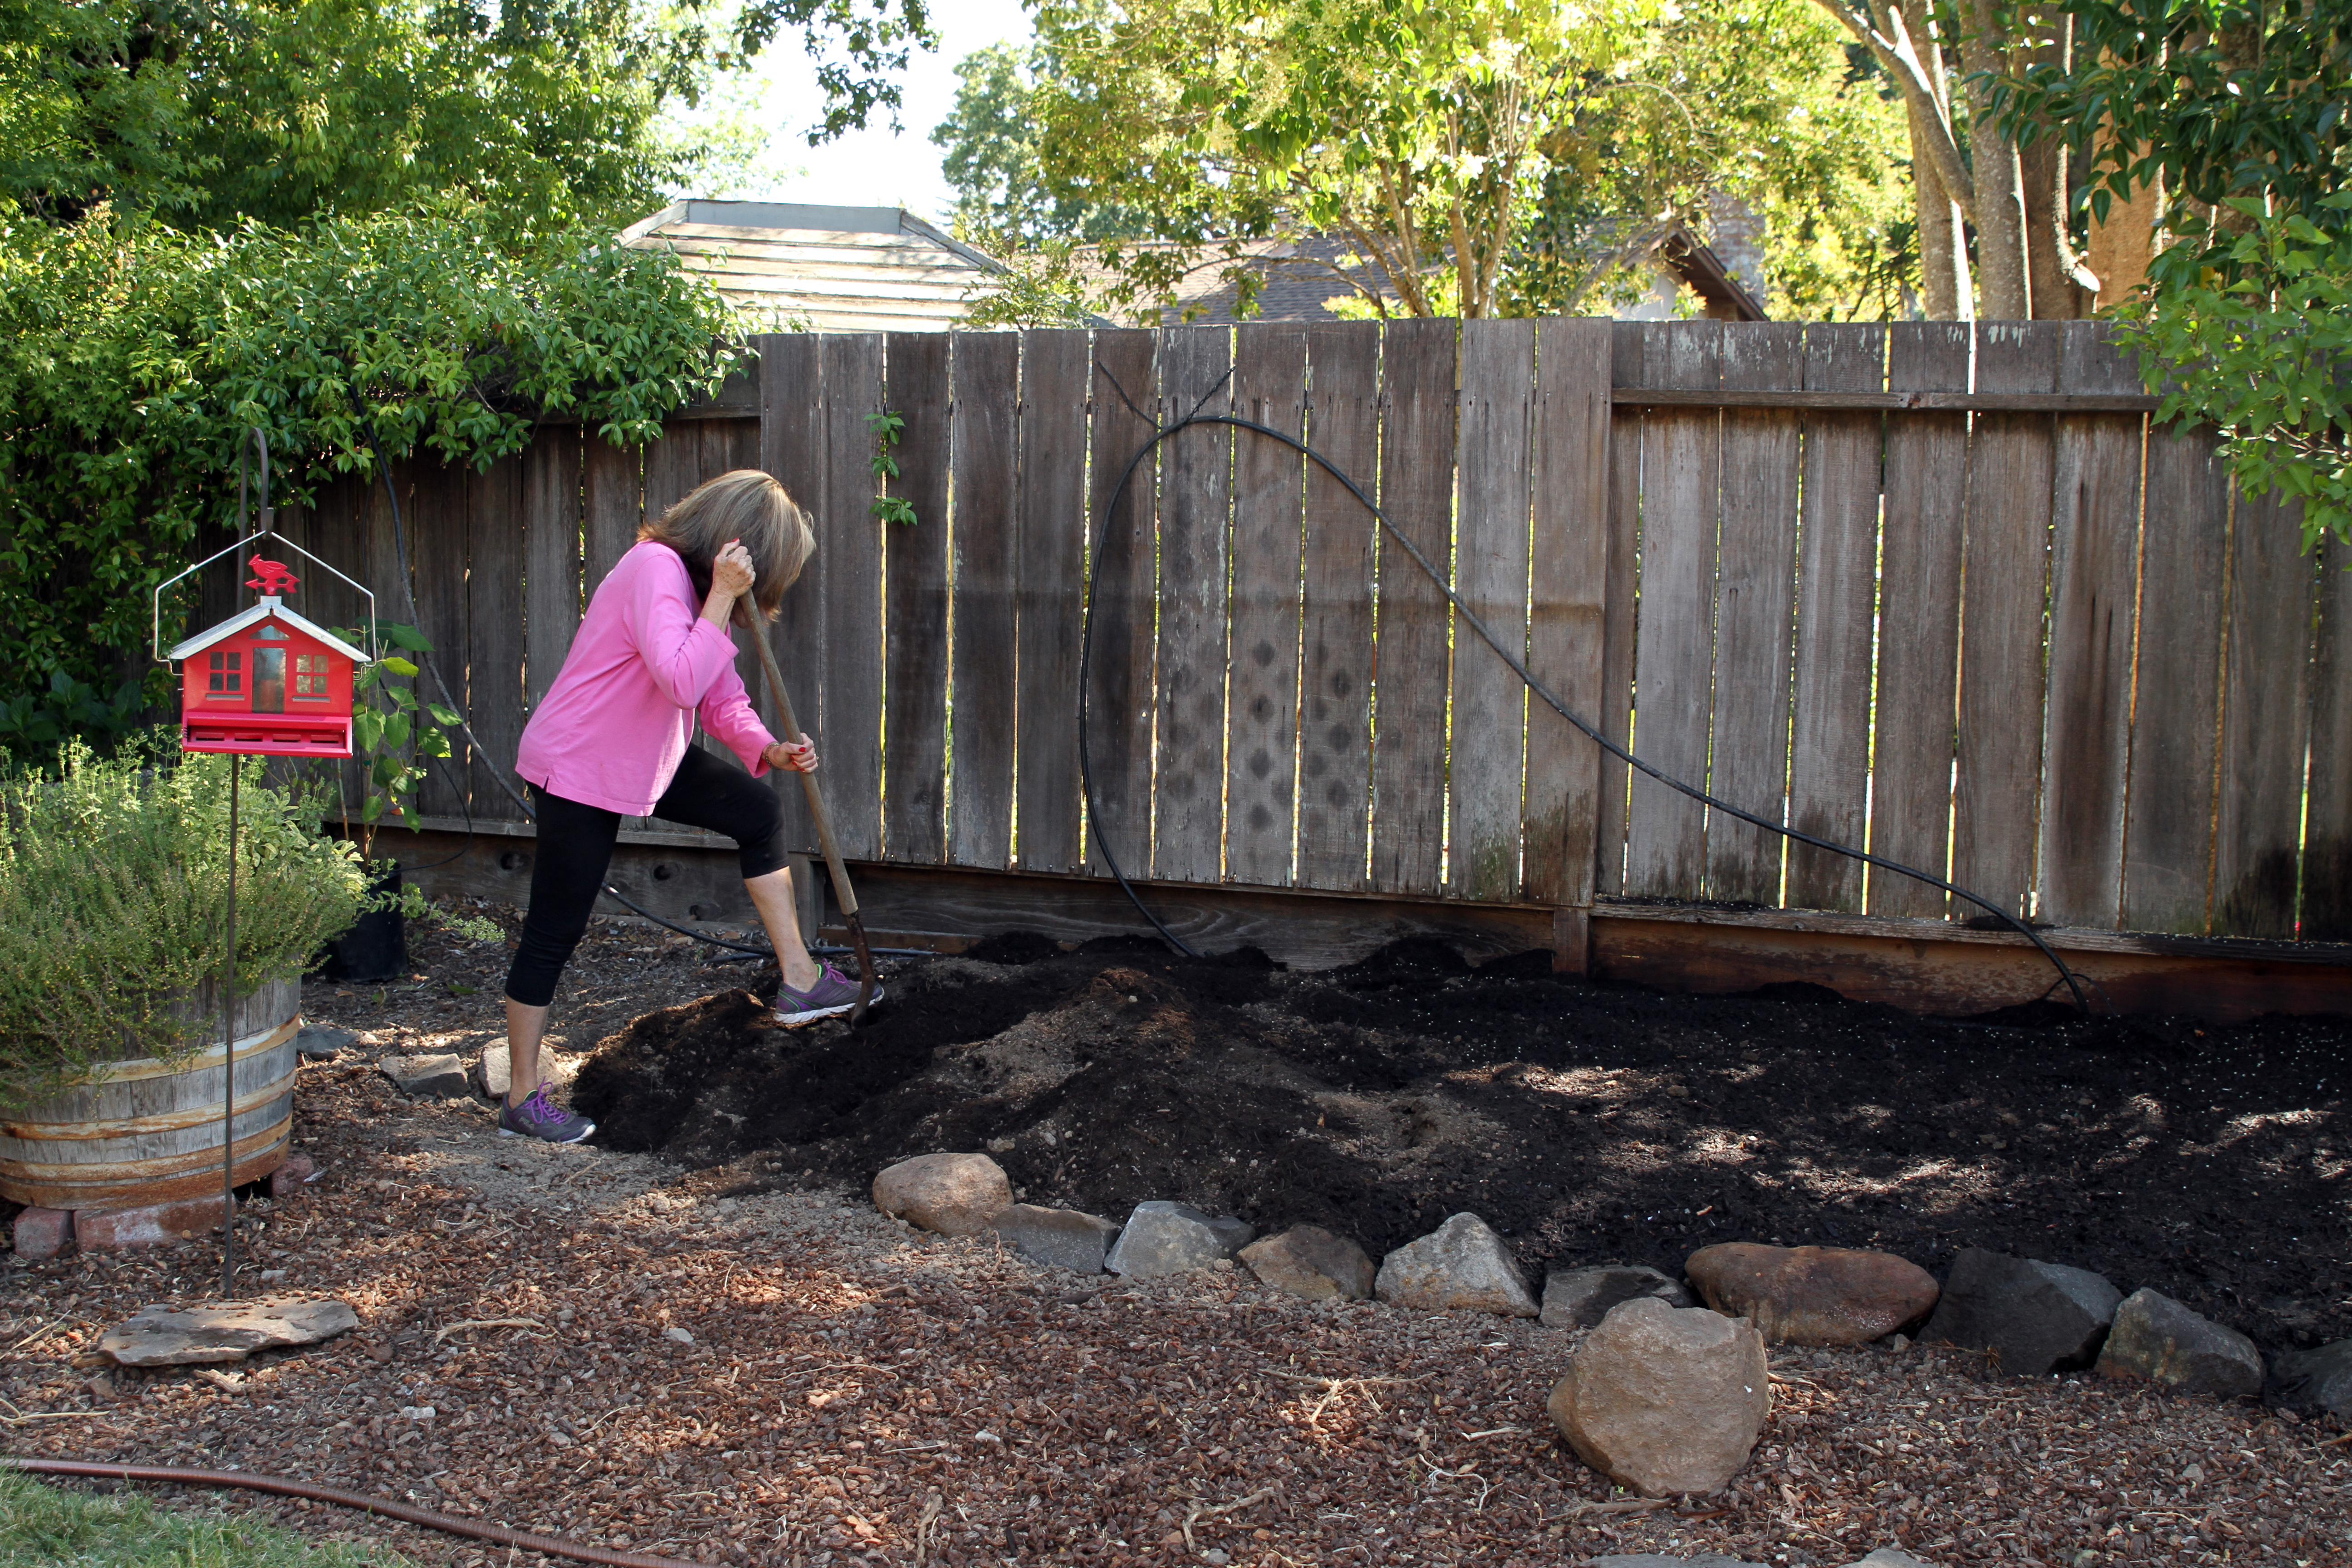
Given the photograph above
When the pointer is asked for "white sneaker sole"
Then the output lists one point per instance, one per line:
(793, 1020)
(585, 1133)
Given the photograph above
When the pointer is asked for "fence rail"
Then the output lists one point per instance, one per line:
(1934, 588)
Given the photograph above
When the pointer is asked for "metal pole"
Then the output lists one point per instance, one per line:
(228, 1054)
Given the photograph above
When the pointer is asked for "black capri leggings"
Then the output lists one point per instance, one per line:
(575, 849)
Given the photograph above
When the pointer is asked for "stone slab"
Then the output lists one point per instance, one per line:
(157, 1336)
(1580, 1298)
(437, 1076)
(1066, 1238)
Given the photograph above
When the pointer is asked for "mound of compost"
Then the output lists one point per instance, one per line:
(1589, 1122)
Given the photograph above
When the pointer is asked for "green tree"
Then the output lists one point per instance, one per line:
(133, 360)
(203, 115)
(990, 146)
(1487, 157)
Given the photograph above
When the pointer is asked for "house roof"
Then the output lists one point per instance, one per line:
(272, 607)
(1299, 277)
(832, 270)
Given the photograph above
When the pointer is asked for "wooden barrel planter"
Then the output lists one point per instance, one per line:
(147, 1132)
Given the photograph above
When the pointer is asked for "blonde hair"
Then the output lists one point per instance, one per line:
(747, 505)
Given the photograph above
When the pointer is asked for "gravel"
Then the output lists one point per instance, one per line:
(850, 1390)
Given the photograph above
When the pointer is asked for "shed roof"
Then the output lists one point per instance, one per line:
(272, 607)
(833, 270)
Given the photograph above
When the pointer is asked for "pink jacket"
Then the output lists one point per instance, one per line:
(611, 731)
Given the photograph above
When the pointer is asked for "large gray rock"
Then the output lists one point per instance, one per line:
(1580, 1298)
(1462, 1265)
(1063, 1238)
(157, 1336)
(2315, 1380)
(1163, 1239)
(1665, 1400)
(1891, 1557)
(432, 1077)
(1656, 1560)
(2156, 1339)
(2035, 1318)
(1307, 1260)
(954, 1194)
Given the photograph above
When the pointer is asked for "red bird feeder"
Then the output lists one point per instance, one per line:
(265, 682)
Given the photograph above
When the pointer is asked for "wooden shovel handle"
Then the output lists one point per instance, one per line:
(832, 852)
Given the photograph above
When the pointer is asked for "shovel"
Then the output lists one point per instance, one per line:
(833, 866)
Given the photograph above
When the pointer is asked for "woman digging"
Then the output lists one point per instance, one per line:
(611, 740)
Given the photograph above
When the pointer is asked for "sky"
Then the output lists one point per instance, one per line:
(872, 167)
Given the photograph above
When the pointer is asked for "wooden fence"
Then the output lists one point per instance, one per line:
(1937, 589)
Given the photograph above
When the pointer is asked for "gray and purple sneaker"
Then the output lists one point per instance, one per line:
(834, 992)
(537, 1117)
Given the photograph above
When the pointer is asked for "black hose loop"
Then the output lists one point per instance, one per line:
(1518, 666)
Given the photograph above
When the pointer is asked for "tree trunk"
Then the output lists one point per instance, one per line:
(2003, 293)
(2051, 261)
(2123, 242)
(1944, 286)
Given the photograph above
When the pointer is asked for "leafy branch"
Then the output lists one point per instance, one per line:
(889, 426)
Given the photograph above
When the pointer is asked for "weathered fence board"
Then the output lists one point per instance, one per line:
(1755, 569)
(1411, 662)
(791, 446)
(984, 661)
(1056, 375)
(2327, 913)
(1919, 624)
(915, 612)
(1673, 660)
(495, 630)
(1629, 366)
(1189, 670)
(1262, 719)
(2041, 644)
(2168, 860)
(1569, 539)
(849, 540)
(2094, 582)
(2001, 612)
(1498, 370)
(1118, 704)
(1829, 764)
(2265, 715)
(1335, 721)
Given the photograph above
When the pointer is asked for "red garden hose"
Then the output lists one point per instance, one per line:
(521, 1540)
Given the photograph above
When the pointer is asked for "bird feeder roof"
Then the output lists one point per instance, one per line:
(272, 607)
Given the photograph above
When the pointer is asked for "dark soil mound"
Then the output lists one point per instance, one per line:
(1588, 1122)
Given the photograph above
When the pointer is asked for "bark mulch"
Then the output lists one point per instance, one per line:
(765, 1371)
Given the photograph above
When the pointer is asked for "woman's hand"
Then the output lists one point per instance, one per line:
(731, 576)
(792, 757)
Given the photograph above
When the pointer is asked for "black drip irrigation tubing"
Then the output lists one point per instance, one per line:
(1163, 433)
(743, 952)
(409, 1513)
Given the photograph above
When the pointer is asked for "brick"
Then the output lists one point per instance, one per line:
(290, 1177)
(43, 1233)
(112, 1230)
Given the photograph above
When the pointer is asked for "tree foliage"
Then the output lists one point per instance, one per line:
(133, 360)
(205, 114)
(2216, 102)
(1480, 158)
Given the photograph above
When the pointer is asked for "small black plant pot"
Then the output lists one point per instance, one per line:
(376, 947)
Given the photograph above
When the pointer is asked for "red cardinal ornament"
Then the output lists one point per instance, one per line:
(270, 576)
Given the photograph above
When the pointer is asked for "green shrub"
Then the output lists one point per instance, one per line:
(113, 884)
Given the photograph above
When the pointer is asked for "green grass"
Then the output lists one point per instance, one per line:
(42, 1525)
